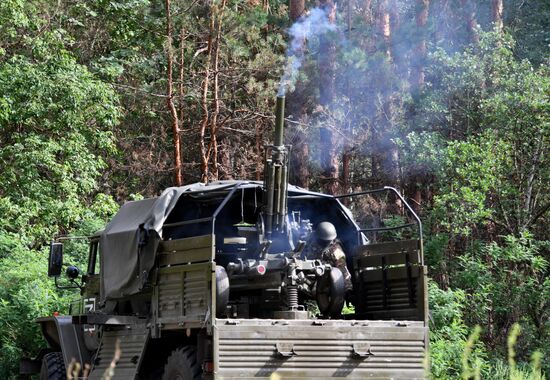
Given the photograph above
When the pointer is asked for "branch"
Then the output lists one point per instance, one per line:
(538, 214)
(507, 228)
(200, 51)
(139, 90)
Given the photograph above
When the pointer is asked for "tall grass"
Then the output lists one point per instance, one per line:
(499, 369)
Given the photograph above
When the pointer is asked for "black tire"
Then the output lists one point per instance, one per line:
(331, 291)
(53, 367)
(182, 364)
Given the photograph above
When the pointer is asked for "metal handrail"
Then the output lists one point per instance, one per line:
(220, 207)
(387, 228)
(210, 218)
(409, 208)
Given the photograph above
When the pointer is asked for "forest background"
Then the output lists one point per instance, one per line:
(107, 101)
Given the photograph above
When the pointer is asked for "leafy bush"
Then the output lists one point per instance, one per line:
(449, 335)
(508, 283)
(26, 293)
(56, 122)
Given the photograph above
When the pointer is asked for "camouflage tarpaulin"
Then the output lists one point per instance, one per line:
(125, 263)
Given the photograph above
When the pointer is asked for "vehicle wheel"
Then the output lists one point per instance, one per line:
(182, 365)
(331, 290)
(53, 367)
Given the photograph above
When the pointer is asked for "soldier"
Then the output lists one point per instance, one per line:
(326, 247)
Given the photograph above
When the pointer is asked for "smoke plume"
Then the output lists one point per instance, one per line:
(315, 23)
(367, 56)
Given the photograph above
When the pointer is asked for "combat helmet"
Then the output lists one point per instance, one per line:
(326, 231)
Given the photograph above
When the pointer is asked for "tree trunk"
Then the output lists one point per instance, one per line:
(497, 11)
(327, 55)
(417, 69)
(296, 9)
(258, 145)
(390, 154)
(368, 43)
(329, 161)
(204, 154)
(182, 77)
(178, 177)
(384, 26)
(367, 14)
(299, 173)
(391, 165)
(397, 50)
(327, 68)
(216, 99)
(417, 84)
(299, 164)
(346, 154)
(441, 8)
(226, 167)
(469, 8)
(346, 172)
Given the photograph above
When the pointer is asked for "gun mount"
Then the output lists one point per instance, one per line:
(285, 272)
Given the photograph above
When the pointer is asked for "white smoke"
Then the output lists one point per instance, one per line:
(315, 23)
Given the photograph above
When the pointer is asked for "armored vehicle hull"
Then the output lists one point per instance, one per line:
(186, 289)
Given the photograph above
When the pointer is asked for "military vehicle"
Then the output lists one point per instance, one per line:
(217, 281)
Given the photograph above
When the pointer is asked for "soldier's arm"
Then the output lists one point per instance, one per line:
(339, 260)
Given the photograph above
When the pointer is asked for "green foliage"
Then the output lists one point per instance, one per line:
(508, 281)
(56, 121)
(493, 112)
(528, 23)
(54, 132)
(97, 215)
(469, 369)
(455, 352)
(467, 179)
(486, 117)
(474, 140)
(25, 294)
(449, 335)
(498, 369)
(501, 370)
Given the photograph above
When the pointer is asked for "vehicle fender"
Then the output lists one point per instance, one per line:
(222, 290)
(64, 336)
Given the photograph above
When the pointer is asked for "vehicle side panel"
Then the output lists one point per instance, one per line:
(182, 292)
(307, 349)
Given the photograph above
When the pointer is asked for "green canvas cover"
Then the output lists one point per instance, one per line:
(125, 265)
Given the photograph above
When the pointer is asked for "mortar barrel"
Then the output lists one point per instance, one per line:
(279, 121)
